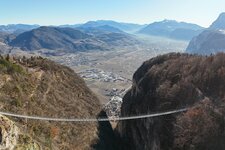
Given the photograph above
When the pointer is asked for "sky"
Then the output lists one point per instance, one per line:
(58, 12)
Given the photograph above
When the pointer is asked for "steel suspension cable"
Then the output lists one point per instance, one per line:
(94, 119)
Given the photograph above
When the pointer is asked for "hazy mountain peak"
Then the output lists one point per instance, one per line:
(219, 23)
(17, 28)
(120, 25)
(172, 29)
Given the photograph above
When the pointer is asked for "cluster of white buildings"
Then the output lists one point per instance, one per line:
(101, 75)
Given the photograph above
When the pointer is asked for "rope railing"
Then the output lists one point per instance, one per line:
(94, 119)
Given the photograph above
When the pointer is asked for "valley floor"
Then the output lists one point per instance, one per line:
(109, 72)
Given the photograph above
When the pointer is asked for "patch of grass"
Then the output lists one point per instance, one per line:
(9, 67)
(17, 102)
(23, 138)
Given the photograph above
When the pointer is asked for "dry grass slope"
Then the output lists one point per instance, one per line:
(39, 87)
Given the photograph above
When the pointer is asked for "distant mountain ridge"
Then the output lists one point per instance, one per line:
(48, 37)
(172, 29)
(17, 28)
(127, 27)
(100, 29)
(69, 40)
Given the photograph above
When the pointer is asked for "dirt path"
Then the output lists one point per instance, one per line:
(39, 75)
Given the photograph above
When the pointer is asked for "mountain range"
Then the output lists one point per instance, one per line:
(72, 39)
(17, 28)
(107, 34)
(172, 29)
(166, 28)
(211, 40)
(49, 38)
(127, 27)
(99, 29)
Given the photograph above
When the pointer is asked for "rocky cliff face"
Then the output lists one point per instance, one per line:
(11, 137)
(208, 42)
(170, 82)
(39, 87)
